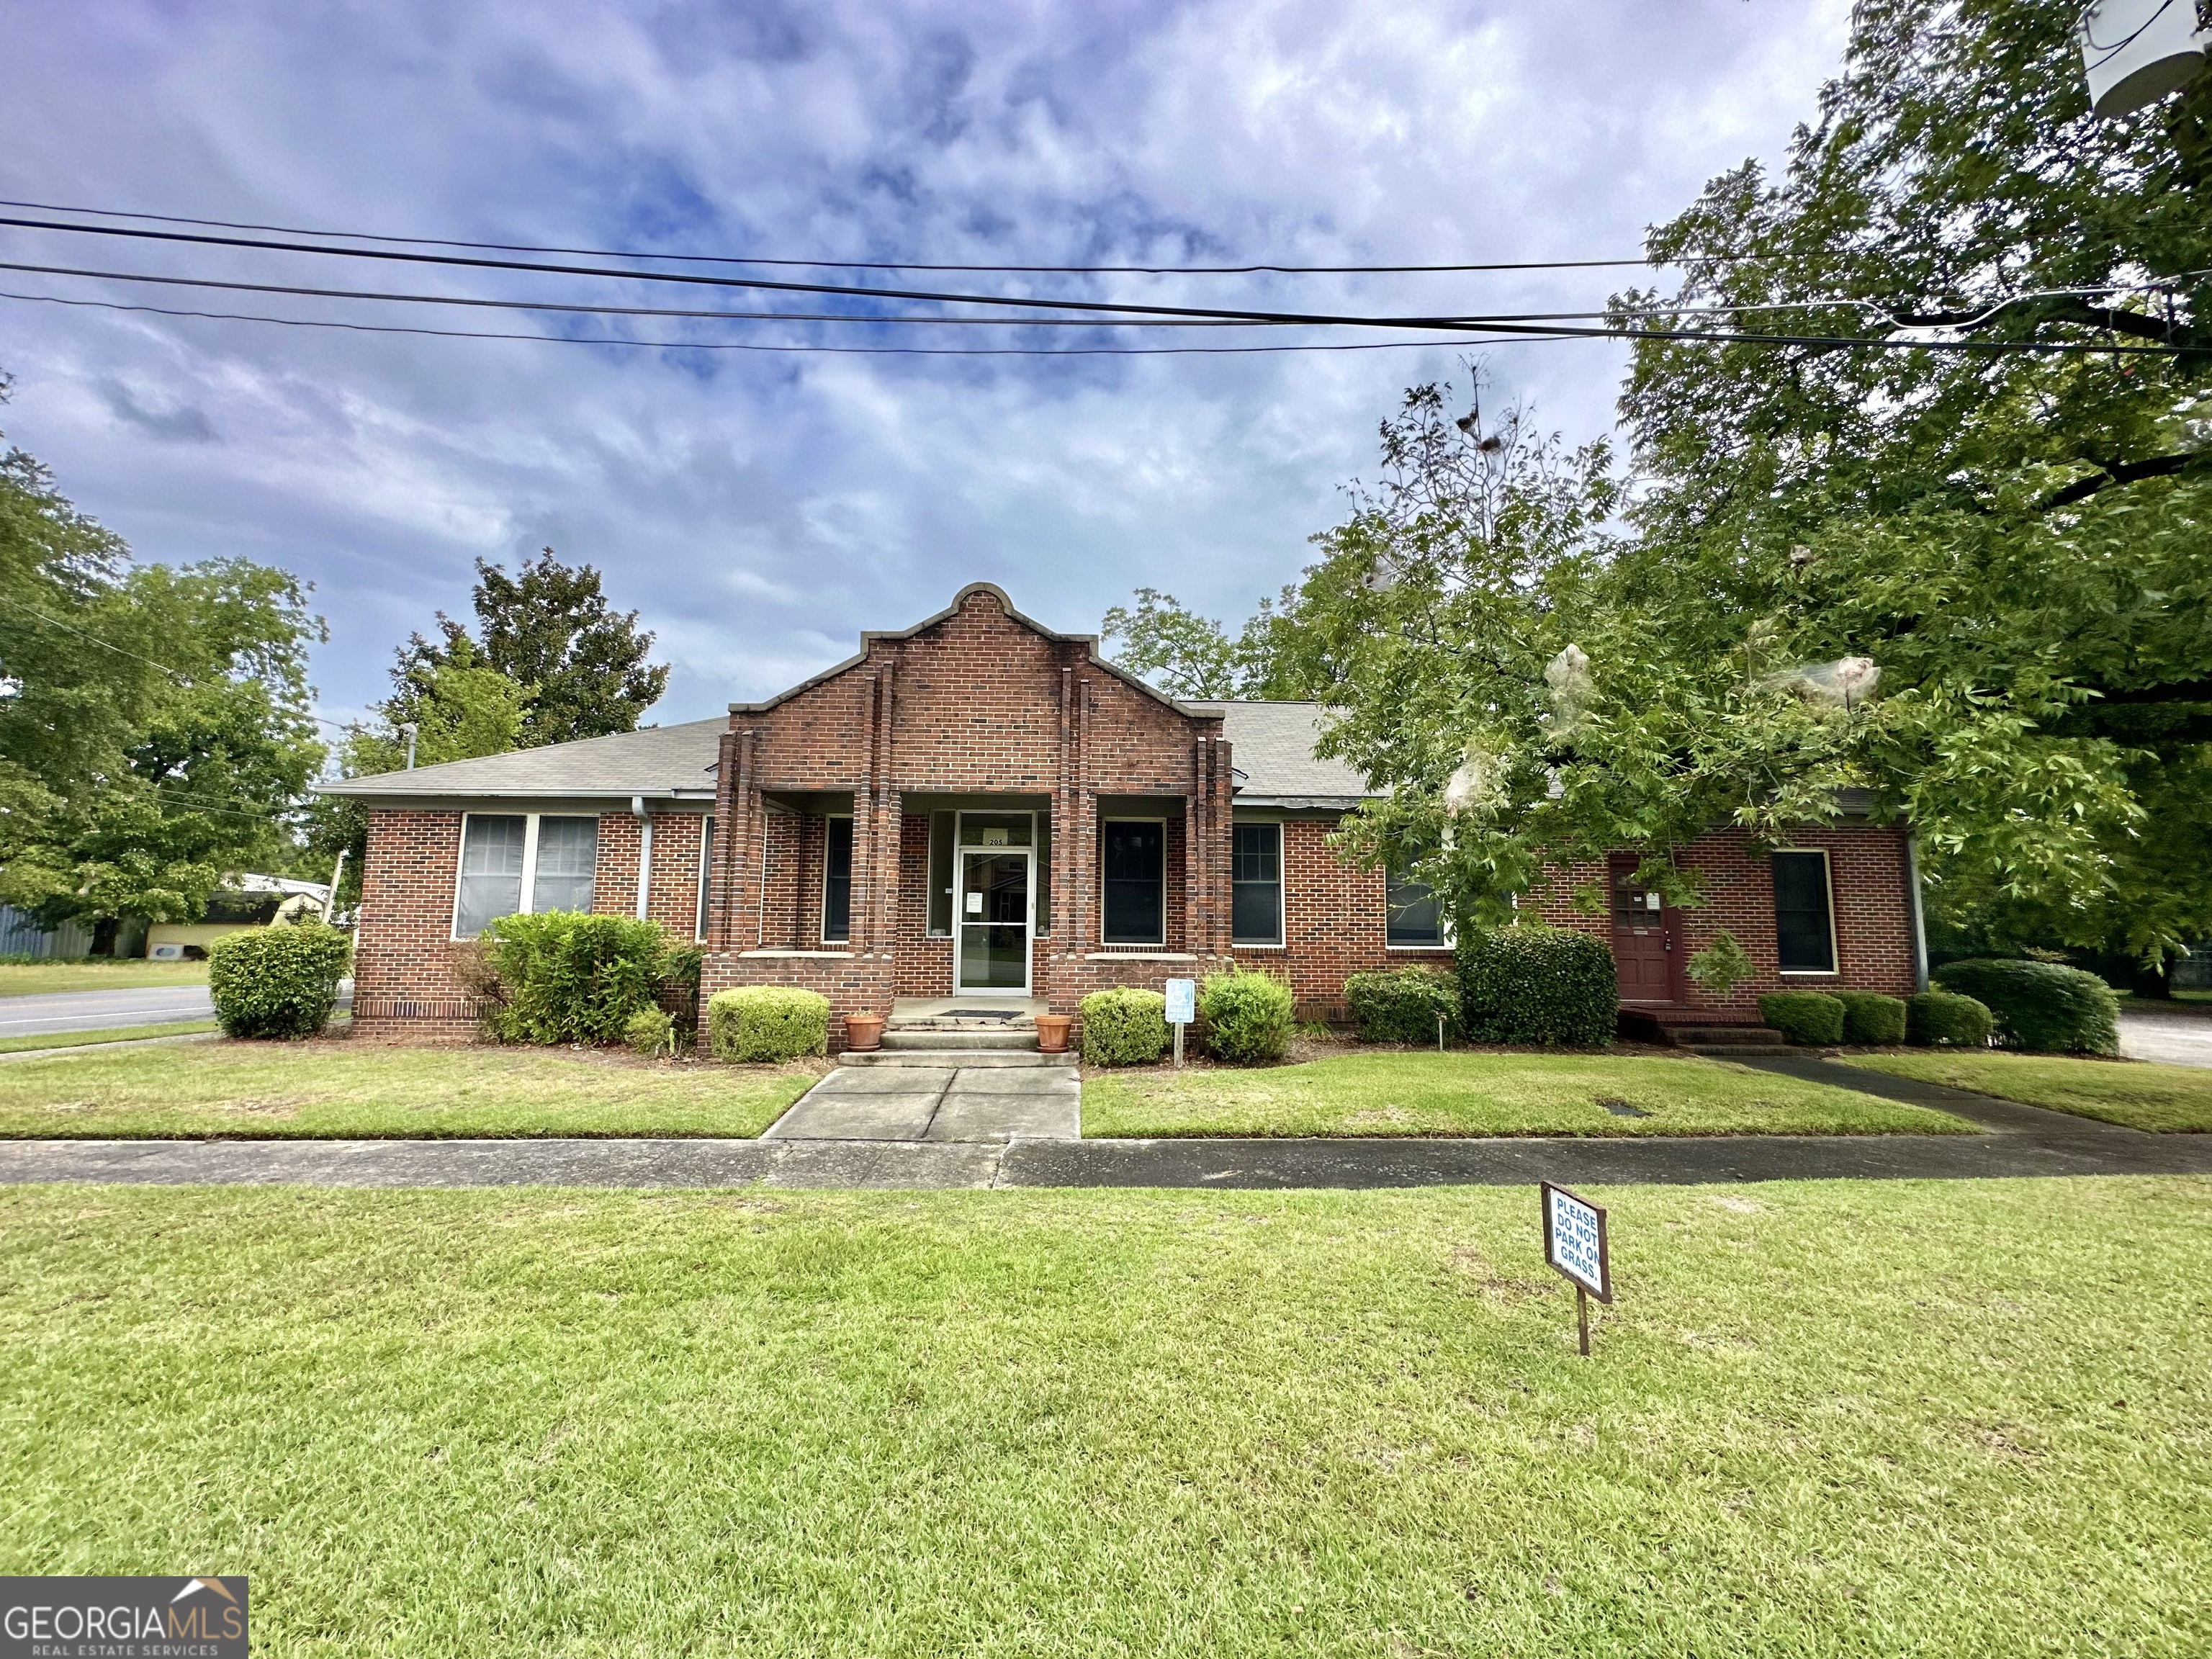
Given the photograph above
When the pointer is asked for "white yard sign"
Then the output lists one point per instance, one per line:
(1575, 1245)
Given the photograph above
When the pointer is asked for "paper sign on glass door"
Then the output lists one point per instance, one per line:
(975, 904)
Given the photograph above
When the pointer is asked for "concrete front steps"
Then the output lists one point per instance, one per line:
(941, 1037)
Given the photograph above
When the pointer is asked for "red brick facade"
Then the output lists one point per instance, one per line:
(980, 710)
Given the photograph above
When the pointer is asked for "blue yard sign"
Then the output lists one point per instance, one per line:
(1575, 1245)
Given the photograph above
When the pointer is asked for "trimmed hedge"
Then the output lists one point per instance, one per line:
(2041, 1005)
(766, 1023)
(1944, 1019)
(1247, 1015)
(279, 981)
(1872, 1018)
(1401, 1005)
(569, 976)
(650, 1031)
(1532, 983)
(1125, 1026)
(1807, 1017)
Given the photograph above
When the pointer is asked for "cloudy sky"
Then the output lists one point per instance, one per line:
(760, 507)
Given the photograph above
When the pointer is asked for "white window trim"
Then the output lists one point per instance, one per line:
(529, 863)
(1835, 945)
(1105, 944)
(706, 871)
(1282, 939)
(822, 931)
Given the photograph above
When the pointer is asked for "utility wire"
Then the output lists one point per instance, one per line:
(752, 345)
(864, 264)
(176, 674)
(1474, 332)
(1443, 324)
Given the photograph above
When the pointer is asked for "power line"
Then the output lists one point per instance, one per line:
(176, 674)
(759, 284)
(872, 264)
(1472, 332)
(752, 345)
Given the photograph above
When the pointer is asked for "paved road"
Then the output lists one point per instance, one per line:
(2018, 1141)
(2181, 1036)
(101, 1011)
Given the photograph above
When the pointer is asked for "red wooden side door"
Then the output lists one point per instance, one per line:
(1646, 940)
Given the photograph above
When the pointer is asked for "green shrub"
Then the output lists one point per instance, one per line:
(1124, 1026)
(766, 1023)
(1247, 1015)
(1403, 1006)
(1872, 1018)
(1810, 1017)
(1532, 983)
(1944, 1019)
(2041, 1005)
(277, 981)
(566, 976)
(650, 1031)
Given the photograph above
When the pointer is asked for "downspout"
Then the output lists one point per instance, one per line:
(1912, 902)
(644, 852)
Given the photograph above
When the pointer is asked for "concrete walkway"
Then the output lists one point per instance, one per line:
(991, 1104)
(2019, 1141)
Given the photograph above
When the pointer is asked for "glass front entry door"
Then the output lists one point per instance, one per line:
(993, 921)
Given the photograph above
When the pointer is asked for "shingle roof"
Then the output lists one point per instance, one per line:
(1272, 744)
(659, 761)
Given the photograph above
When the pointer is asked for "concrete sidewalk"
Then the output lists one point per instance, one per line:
(2018, 1141)
(936, 1104)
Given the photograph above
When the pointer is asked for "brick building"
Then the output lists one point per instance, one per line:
(979, 806)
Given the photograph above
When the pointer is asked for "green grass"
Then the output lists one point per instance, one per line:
(27, 978)
(2140, 1095)
(1841, 1417)
(16, 1045)
(1489, 1094)
(341, 1088)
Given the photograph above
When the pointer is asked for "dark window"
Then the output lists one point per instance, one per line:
(837, 882)
(250, 909)
(1803, 937)
(942, 835)
(1255, 886)
(567, 853)
(1415, 917)
(706, 870)
(1132, 854)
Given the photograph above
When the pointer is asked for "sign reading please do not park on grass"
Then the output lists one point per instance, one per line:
(1574, 1241)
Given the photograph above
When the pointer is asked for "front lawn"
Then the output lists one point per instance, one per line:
(345, 1089)
(1490, 1094)
(1841, 1417)
(27, 979)
(2139, 1095)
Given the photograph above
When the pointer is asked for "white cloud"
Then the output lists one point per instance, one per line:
(760, 509)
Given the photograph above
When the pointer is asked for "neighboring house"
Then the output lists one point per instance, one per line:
(240, 902)
(979, 805)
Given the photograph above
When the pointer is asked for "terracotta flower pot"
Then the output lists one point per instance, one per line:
(1052, 1032)
(863, 1031)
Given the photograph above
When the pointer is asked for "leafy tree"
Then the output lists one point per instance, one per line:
(154, 733)
(547, 627)
(1162, 640)
(2017, 538)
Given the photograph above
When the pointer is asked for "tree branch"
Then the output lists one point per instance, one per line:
(2121, 472)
